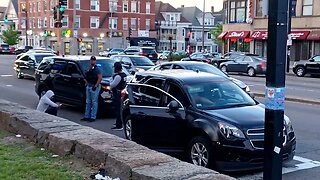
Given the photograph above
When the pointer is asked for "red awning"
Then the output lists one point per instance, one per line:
(259, 35)
(237, 34)
(299, 35)
(314, 35)
(222, 35)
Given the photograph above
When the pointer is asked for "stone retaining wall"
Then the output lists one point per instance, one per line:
(121, 158)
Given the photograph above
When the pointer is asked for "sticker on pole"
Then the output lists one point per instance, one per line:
(275, 98)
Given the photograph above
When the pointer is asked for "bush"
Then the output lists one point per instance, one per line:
(176, 57)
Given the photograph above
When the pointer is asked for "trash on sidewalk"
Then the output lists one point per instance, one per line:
(55, 156)
(42, 149)
(102, 176)
(18, 136)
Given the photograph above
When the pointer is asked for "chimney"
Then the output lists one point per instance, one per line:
(182, 6)
(212, 9)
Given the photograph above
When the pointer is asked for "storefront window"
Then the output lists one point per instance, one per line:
(67, 48)
(100, 46)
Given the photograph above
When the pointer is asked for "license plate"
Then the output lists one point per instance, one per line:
(150, 56)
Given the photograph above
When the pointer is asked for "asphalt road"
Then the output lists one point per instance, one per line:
(301, 87)
(305, 119)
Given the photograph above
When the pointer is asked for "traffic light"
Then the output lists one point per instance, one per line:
(66, 32)
(63, 2)
(58, 24)
(61, 12)
(55, 13)
(6, 20)
(130, 32)
(45, 33)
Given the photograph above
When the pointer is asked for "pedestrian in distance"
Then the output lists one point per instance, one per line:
(118, 83)
(93, 79)
(47, 105)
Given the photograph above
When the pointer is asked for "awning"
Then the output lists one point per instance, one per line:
(222, 35)
(299, 35)
(143, 41)
(259, 35)
(314, 35)
(237, 34)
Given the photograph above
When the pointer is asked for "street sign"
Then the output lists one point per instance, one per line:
(75, 33)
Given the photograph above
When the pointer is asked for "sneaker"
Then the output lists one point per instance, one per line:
(84, 119)
(117, 128)
(91, 120)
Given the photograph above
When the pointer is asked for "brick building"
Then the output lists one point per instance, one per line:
(245, 27)
(95, 20)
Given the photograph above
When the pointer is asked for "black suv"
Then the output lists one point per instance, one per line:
(134, 63)
(207, 117)
(149, 52)
(4, 49)
(26, 64)
(311, 66)
(65, 77)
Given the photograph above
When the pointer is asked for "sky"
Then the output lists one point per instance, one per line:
(177, 3)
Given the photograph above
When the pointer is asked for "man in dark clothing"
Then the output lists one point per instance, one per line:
(118, 83)
(93, 79)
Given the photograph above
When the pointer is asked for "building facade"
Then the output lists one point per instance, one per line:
(11, 13)
(245, 27)
(100, 24)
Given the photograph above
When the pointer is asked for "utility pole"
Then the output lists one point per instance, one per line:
(203, 16)
(275, 90)
(289, 32)
(74, 40)
(26, 11)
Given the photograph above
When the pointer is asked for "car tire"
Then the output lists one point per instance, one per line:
(300, 72)
(224, 68)
(19, 75)
(251, 72)
(200, 152)
(127, 127)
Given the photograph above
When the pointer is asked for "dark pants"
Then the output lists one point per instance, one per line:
(118, 107)
(52, 110)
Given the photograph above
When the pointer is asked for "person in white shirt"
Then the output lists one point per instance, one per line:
(47, 105)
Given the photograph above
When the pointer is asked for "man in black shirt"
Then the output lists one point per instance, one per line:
(117, 84)
(93, 79)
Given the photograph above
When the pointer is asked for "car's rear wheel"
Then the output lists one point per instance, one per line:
(200, 152)
(251, 72)
(128, 127)
(300, 72)
(224, 68)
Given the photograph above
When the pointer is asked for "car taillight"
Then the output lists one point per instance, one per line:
(142, 54)
(123, 94)
(263, 65)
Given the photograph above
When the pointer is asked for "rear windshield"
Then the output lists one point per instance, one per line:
(141, 61)
(40, 57)
(149, 51)
(4, 45)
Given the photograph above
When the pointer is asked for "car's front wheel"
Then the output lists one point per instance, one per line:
(200, 152)
(300, 72)
(127, 127)
(251, 72)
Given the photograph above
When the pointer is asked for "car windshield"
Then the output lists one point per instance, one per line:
(219, 94)
(117, 50)
(205, 68)
(106, 67)
(141, 61)
(41, 56)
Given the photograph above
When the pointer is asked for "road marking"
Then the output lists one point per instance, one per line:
(9, 85)
(6, 75)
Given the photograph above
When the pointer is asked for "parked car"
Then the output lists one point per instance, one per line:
(65, 77)
(4, 49)
(202, 67)
(204, 116)
(310, 66)
(149, 52)
(201, 57)
(22, 49)
(27, 63)
(33, 51)
(134, 63)
(115, 51)
(252, 65)
(164, 55)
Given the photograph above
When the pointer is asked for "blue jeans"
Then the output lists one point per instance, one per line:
(92, 98)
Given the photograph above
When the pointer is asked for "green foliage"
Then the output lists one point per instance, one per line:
(217, 31)
(176, 57)
(10, 36)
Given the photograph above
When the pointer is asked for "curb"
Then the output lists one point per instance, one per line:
(292, 99)
(120, 157)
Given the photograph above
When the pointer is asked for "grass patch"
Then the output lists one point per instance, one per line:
(20, 162)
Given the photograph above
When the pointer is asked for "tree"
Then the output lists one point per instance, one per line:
(217, 31)
(10, 36)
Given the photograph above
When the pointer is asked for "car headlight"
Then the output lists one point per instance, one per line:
(288, 124)
(230, 131)
(106, 88)
(140, 69)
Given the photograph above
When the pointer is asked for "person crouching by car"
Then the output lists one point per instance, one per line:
(47, 105)
(117, 84)
(93, 79)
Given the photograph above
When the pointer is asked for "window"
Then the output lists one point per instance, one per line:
(113, 4)
(94, 22)
(316, 58)
(139, 4)
(45, 7)
(232, 16)
(30, 7)
(125, 6)
(176, 92)
(125, 24)
(133, 6)
(51, 22)
(209, 35)
(183, 32)
(241, 11)
(167, 66)
(34, 23)
(34, 7)
(65, 21)
(52, 4)
(77, 24)
(113, 23)
(77, 4)
(39, 23)
(144, 95)
(148, 24)
(148, 7)
(259, 8)
(133, 24)
(307, 7)
(45, 22)
(72, 69)
(39, 6)
(94, 5)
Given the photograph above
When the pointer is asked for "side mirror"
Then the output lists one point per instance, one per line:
(251, 94)
(173, 106)
(311, 60)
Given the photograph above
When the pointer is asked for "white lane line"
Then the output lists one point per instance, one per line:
(6, 75)
(9, 85)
